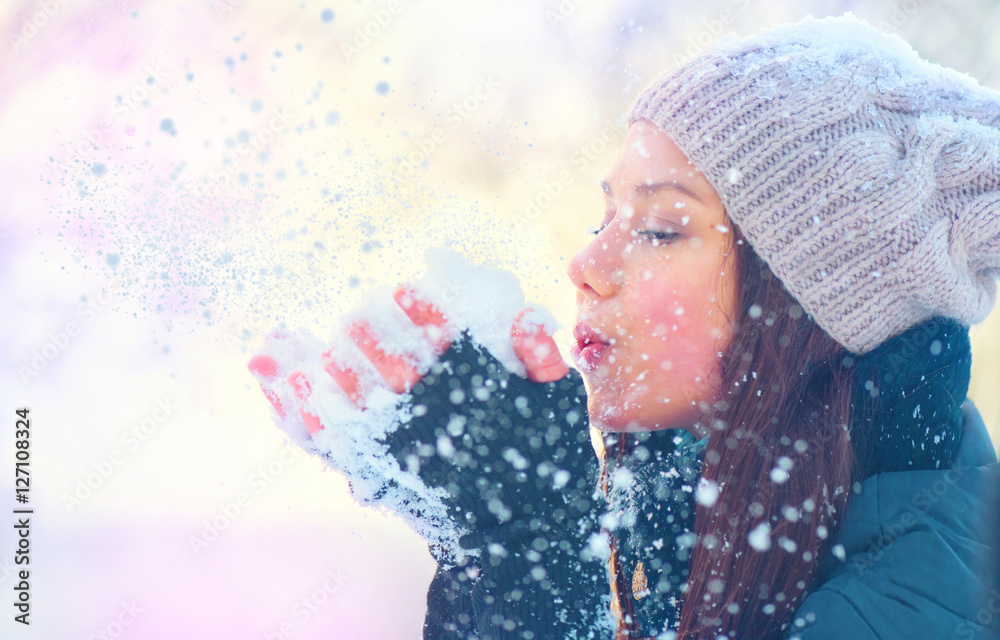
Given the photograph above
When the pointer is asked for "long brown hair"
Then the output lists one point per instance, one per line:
(780, 452)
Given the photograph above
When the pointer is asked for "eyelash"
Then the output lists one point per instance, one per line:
(662, 236)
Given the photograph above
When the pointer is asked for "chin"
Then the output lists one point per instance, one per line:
(611, 417)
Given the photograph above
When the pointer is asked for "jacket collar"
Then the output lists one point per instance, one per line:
(907, 399)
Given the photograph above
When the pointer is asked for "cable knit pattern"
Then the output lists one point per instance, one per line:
(867, 178)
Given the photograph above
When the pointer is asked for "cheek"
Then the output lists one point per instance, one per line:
(677, 320)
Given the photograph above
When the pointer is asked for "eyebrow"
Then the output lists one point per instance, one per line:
(647, 190)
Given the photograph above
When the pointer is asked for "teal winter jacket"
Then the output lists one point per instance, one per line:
(918, 554)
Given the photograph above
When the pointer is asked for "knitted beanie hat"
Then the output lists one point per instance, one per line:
(867, 178)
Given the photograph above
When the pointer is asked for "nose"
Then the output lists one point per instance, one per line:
(596, 269)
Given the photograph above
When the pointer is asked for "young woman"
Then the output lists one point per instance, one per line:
(772, 341)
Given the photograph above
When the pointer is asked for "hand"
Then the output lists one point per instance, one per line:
(354, 399)
(403, 364)
(479, 441)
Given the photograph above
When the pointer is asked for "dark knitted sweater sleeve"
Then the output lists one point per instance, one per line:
(449, 605)
(521, 478)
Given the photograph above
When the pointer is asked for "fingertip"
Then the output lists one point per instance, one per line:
(273, 399)
(439, 338)
(312, 423)
(397, 372)
(404, 295)
(265, 370)
(263, 366)
(303, 390)
(345, 378)
(417, 308)
(299, 384)
(537, 350)
(518, 328)
(550, 373)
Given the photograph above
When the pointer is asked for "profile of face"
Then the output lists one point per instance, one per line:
(655, 291)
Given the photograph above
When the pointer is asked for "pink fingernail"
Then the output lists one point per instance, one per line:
(300, 385)
(266, 368)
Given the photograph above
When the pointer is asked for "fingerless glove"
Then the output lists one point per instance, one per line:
(521, 478)
(495, 472)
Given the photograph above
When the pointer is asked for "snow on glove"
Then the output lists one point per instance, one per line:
(343, 400)
(473, 458)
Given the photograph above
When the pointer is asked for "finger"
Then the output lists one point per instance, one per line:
(265, 369)
(399, 373)
(345, 377)
(536, 349)
(424, 314)
(303, 391)
(419, 310)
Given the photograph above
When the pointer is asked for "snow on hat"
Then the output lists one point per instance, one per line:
(867, 178)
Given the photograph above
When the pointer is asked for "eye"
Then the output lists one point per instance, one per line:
(660, 237)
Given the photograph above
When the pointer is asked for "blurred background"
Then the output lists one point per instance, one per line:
(179, 178)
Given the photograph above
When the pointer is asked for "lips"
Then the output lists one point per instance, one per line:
(590, 346)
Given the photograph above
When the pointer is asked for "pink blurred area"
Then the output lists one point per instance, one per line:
(268, 583)
(100, 87)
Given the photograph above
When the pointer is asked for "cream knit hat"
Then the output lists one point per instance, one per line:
(867, 178)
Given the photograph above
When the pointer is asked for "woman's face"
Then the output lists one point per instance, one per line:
(655, 286)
